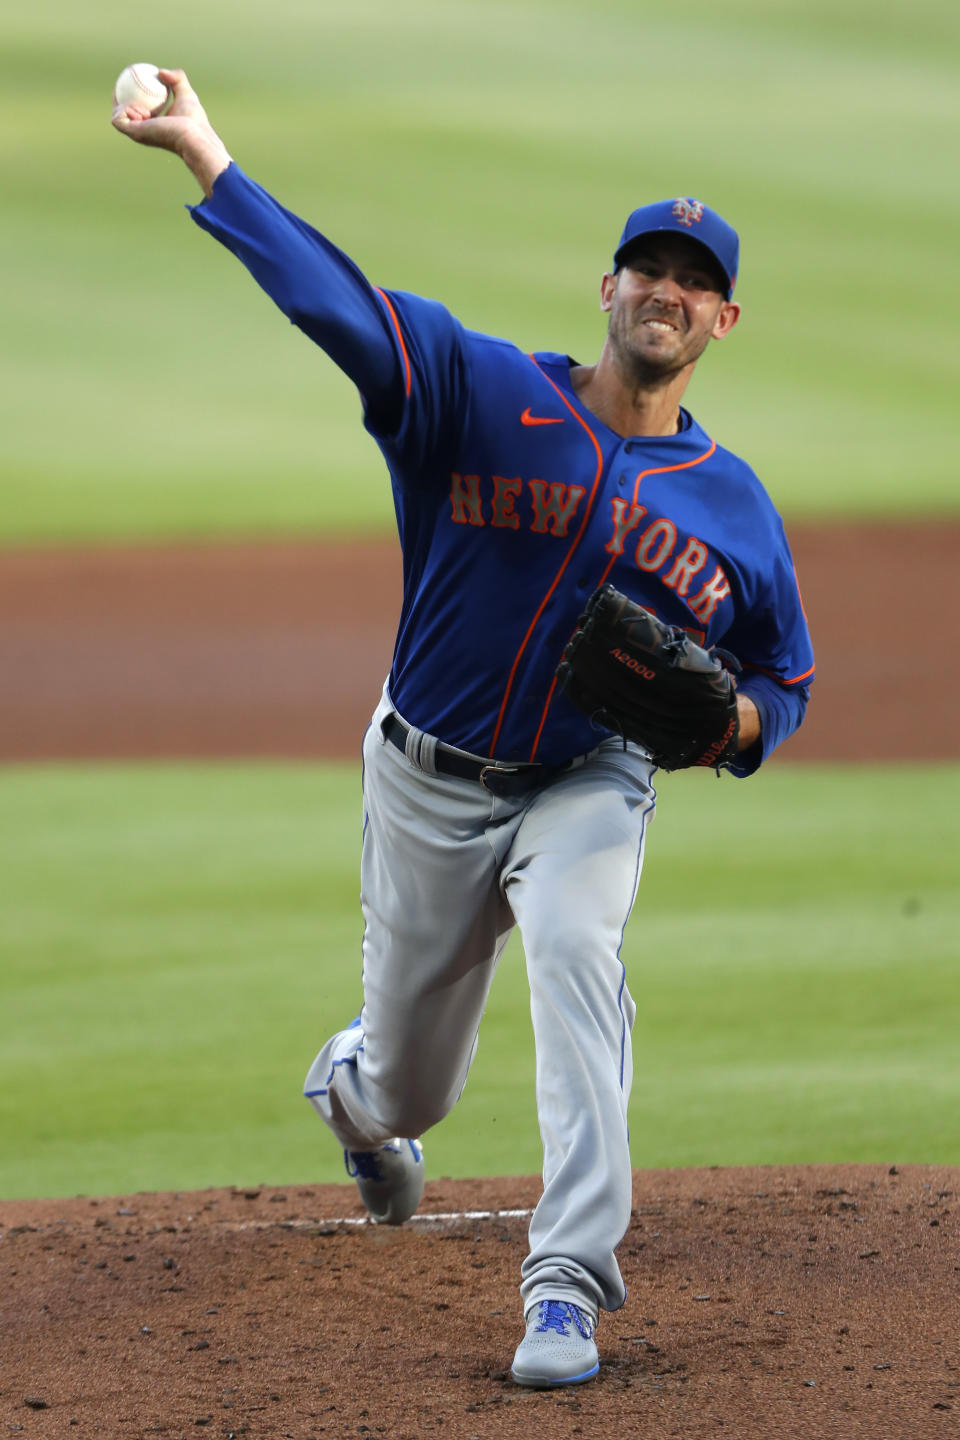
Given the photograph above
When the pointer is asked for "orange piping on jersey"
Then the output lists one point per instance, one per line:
(543, 603)
(659, 470)
(403, 349)
(780, 679)
(663, 469)
(543, 717)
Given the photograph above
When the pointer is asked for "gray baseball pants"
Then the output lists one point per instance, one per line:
(447, 869)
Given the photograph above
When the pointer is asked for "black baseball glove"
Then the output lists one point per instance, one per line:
(651, 683)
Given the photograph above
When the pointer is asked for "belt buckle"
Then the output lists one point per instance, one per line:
(504, 770)
(528, 774)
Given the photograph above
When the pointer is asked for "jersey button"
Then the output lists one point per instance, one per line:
(621, 478)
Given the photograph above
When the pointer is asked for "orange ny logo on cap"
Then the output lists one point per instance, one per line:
(687, 211)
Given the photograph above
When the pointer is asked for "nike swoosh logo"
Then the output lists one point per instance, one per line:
(527, 419)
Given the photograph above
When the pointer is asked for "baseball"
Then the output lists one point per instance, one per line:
(141, 85)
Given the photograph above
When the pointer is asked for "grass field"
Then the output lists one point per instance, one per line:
(178, 941)
(486, 154)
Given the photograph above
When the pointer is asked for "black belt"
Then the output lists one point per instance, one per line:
(498, 779)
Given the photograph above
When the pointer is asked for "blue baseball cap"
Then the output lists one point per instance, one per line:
(691, 218)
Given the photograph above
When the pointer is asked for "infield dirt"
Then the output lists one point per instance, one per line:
(281, 648)
(784, 1302)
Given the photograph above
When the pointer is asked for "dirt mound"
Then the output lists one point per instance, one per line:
(776, 1302)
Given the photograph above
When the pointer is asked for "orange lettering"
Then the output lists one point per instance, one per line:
(625, 518)
(632, 663)
(715, 590)
(554, 506)
(709, 756)
(656, 542)
(465, 499)
(692, 558)
(504, 494)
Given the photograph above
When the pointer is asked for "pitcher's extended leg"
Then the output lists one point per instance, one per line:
(571, 878)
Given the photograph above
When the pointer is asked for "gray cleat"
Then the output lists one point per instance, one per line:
(390, 1180)
(558, 1348)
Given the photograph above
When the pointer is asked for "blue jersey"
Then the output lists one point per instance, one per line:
(514, 502)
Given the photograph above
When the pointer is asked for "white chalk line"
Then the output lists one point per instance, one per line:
(446, 1217)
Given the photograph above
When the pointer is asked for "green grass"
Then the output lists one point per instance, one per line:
(486, 154)
(177, 942)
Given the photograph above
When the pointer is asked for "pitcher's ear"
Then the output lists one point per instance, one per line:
(727, 317)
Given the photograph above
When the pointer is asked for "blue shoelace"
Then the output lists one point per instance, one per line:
(558, 1314)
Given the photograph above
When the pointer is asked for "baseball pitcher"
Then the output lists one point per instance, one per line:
(592, 588)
